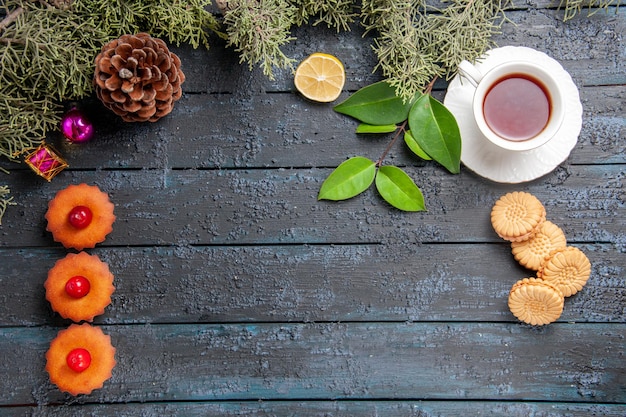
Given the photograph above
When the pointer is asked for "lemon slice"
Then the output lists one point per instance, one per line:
(320, 77)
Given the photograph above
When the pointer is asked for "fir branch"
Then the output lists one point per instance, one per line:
(415, 44)
(464, 30)
(191, 24)
(575, 7)
(48, 52)
(338, 14)
(5, 200)
(24, 123)
(258, 29)
(172, 20)
(401, 45)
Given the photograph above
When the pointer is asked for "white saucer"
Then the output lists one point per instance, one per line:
(495, 163)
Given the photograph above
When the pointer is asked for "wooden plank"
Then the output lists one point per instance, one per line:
(587, 47)
(282, 130)
(404, 361)
(329, 408)
(279, 206)
(452, 282)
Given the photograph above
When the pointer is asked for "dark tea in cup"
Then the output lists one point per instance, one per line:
(517, 107)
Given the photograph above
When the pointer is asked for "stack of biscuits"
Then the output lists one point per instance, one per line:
(538, 245)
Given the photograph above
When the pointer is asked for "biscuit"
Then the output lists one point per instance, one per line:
(532, 252)
(517, 215)
(535, 301)
(566, 268)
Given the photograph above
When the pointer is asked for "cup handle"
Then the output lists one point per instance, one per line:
(470, 72)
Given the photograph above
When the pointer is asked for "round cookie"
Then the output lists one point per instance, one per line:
(535, 301)
(80, 359)
(516, 216)
(531, 253)
(79, 286)
(80, 216)
(566, 268)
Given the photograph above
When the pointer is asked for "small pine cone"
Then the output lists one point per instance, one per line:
(138, 78)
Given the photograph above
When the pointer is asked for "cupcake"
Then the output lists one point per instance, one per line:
(566, 268)
(535, 301)
(80, 359)
(80, 216)
(532, 252)
(516, 216)
(79, 286)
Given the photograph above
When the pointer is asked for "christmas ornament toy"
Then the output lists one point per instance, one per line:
(76, 127)
(45, 161)
(138, 78)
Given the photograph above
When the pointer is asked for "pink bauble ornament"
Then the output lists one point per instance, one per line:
(76, 127)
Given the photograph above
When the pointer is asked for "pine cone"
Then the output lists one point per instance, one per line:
(138, 78)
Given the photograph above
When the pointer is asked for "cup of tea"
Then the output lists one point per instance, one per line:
(517, 105)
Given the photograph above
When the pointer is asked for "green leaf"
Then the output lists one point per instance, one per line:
(436, 131)
(398, 189)
(365, 128)
(414, 146)
(376, 104)
(350, 178)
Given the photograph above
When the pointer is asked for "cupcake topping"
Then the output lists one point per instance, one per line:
(78, 359)
(80, 217)
(77, 287)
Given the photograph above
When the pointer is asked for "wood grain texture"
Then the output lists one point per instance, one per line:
(452, 282)
(280, 206)
(407, 361)
(344, 408)
(239, 294)
(224, 132)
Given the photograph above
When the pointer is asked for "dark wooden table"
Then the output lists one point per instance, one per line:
(238, 293)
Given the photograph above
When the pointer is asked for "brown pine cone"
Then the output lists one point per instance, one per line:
(138, 78)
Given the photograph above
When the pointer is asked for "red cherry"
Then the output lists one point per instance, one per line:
(77, 286)
(80, 217)
(78, 359)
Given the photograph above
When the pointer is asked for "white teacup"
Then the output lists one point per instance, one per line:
(517, 105)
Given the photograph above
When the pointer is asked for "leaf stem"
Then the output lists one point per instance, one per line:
(402, 128)
(399, 131)
(431, 84)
